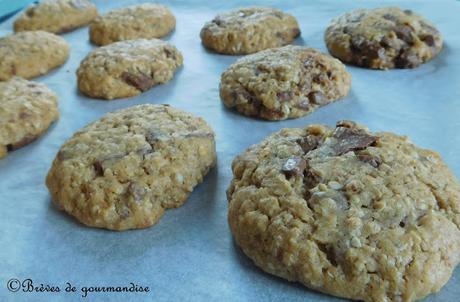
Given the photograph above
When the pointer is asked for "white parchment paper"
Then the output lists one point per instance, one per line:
(190, 255)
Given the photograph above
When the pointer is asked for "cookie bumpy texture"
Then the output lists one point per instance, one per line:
(31, 53)
(355, 214)
(249, 30)
(27, 109)
(383, 38)
(282, 83)
(123, 171)
(56, 16)
(127, 68)
(145, 21)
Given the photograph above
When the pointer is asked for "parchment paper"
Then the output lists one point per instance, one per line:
(190, 255)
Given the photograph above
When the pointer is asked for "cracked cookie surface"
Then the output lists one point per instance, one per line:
(124, 170)
(27, 109)
(127, 68)
(282, 83)
(355, 214)
(31, 53)
(249, 30)
(56, 16)
(144, 21)
(383, 38)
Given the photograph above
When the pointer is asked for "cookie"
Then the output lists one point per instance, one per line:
(249, 30)
(27, 109)
(282, 83)
(31, 53)
(124, 170)
(56, 16)
(127, 68)
(355, 214)
(383, 38)
(145, 21)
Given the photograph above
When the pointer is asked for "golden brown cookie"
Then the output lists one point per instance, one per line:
(144, 21)
(282, 83)
(31, 53)
(27, 109)
(383, 38)
(249, 30)
(352, 213)
(56, 16)
(127, 68)
(124, 170)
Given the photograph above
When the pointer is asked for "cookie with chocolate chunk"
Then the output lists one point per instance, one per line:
(56, 16)
(27, 109)
(144, 21)
(383, 38)
(282, 83)
(31, 53)
(249, 30)
(127, 68)
(346, 211)
(124, 170)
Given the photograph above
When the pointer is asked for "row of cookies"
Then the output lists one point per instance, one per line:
(29, 108)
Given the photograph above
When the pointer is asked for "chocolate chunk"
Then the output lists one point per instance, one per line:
(429, 40)
(308, 143)
(98, 169)
(320, 78)
(389, 42)
(303, 104)
(285, 96)
(429, 28)
(376, 52)
(24, 141)
(317, 97)
(272, 114)
(404, 32)
(407, 59)
(329, 252)
(24, 115)
(139, 81)
(245, 96)
(124, 213)
(294, 166)
(104, 162)
(351, 139)
(311, 179)
(346, 124)
(295, 32)
(357, 43)
(169, 54)
(390, 17)
(305, 84)
(372, 160)
(137, 191)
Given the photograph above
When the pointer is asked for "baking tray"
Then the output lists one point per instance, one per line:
(190, 255)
